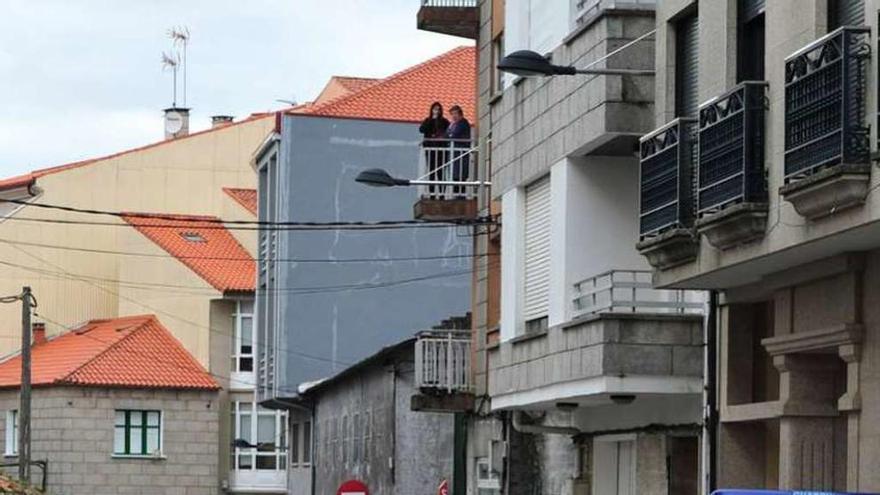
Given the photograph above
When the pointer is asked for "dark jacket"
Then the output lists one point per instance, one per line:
(434, 131)
(459, 130)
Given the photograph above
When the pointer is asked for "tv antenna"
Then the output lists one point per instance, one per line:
(180, 37)
(171, 61)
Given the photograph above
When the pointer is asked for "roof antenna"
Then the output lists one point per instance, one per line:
(172, 62)
(180, 38)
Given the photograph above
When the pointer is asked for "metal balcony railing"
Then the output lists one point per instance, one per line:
(453, 161)
(449, 3)
(443, 361)
(666, 177)
(630, 291)
(825, 103)
(731, 148)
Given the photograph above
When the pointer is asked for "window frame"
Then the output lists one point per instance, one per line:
(145, 427)
(280, 452)
(239, 315)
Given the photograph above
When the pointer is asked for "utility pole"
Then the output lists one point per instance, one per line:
(24, 409)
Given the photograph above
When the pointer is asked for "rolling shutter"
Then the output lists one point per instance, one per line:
(749, 9)
(845, 13)
(687, 67)
(537, 249)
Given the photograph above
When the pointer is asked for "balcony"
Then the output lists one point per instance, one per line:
(666, 206)
(731, 190)
(586, 11)
(827, 151)
(454, 17)
(443, 371)
(625, 338)
(453, 163)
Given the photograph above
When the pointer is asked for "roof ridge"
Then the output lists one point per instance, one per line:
(146, 319)
(387, 80)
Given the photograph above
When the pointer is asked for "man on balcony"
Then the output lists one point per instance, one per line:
(459, 133)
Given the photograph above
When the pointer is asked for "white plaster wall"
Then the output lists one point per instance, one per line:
(512, 213)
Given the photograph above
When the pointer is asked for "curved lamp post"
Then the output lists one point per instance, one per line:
(526, 63)
(378, 177)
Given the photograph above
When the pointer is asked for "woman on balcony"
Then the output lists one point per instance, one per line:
(459, 133)
(434, 143)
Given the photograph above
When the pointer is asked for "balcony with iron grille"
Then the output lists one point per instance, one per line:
(451, 168)
(666, 204)
(443, 372)
(454, 17)
(731, 189)
(827, 150)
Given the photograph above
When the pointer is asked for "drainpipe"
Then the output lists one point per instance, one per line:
(711, 413)
(530, 429)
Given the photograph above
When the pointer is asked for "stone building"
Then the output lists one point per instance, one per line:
(365, 430)
(594, 378)
(764, 191)
(119, 406)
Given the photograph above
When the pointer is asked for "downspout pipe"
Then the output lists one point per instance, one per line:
(531, 429)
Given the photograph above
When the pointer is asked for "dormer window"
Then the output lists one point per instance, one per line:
(193, 237)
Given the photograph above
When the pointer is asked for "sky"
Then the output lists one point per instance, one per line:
(84, 79)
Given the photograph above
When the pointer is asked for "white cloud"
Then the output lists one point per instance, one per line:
(83, 78)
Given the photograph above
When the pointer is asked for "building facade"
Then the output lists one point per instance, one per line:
(763, 190)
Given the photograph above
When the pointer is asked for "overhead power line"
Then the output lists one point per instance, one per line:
(240, 224)
(239, 258)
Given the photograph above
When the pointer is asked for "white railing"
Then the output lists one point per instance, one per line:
(443, 361)
(452, 162)
(630, 291)
(449, 3)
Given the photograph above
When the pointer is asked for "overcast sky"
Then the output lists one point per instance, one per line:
(83, 78)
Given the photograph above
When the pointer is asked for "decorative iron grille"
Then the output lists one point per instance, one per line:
(666, 181)
(731, 149)
(825, 98)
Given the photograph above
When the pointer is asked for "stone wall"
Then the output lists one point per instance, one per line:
(72, 428)
(611, 344)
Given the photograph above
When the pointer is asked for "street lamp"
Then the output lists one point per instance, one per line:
(526, 63)
(378, 177)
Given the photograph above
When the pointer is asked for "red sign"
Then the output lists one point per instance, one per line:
(444, 488)
(352, 487)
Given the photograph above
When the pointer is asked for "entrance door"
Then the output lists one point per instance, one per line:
(614, 465)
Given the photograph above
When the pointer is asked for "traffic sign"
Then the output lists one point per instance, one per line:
(352, 487)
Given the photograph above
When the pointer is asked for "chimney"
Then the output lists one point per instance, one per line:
(220, 120)
(38, 330)
(176, 122)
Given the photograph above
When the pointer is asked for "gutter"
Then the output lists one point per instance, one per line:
(532, 429)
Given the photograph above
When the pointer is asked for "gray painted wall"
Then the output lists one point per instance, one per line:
(406, 452)
(320, 333)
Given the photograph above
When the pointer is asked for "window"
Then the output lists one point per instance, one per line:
(266, 430)
(137, 433)
(537, 254)
(497, 53)
(307, 443)
(294, 444)
(538, 25)
(301, 444)
(750, 44)
(488, 481)
(243, 339)
(687, 66)
(12, 432)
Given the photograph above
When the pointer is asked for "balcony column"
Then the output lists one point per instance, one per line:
(559, 294)
(512, 263)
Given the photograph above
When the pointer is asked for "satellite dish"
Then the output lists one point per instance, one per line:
(173, 122)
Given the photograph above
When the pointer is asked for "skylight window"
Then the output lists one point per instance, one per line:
(193, 237)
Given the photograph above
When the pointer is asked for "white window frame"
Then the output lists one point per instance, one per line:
(243, 379)
(280, 453)
(158, 452)
(11, 449)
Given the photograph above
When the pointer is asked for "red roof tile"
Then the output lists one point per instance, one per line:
(406, 96)
(131, 351)
(202, 244)
(244, 197)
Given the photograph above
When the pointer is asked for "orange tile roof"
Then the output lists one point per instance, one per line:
(406, 96)
(355, 84)
(244, 197)
(131, 352)
(211, 252)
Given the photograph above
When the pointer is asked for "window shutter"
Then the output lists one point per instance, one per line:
(537, 249)
(687, 67)
(845, 13)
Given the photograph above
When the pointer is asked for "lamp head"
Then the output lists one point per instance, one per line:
(527, 63)
(378, 177)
